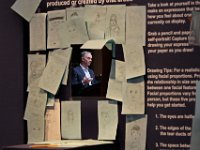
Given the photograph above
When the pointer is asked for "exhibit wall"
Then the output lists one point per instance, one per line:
(12, 88)
(172, 68)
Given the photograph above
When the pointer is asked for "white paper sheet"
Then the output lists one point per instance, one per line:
(26, 8)
(76, 32)
(95, 16)
(133, 96)
(114, 90)
(36, 103)
(67, 55)
(52, 122)
(115, 23)
(136, 24)
(54, 71)
(97, 44)
(108, 120)
(37, 29)
(118, 70)
(56, 35)
(35, 126)
(74, 13)
(71, 119)
(136, 128)
(36, 65)
(134, 59)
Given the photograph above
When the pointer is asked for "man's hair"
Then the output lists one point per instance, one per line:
(83, 53)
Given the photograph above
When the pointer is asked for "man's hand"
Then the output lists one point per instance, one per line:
(86, 80)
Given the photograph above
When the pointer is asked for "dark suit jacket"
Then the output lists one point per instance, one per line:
(76, 80)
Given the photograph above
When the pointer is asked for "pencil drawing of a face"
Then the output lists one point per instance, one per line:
(36, 69)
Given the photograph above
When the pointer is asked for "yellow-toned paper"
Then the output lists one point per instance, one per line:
(52, 122)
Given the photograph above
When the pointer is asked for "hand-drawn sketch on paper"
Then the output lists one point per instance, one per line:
(135, 132)
(74, 13)
(115, 23)
(36, 65)
(134, 60)
(54, 70)
(36, 103)
(194, 37)
(37, 28)
(67, 53)
(52, 122)
(133, 96)
(76, 32)
(108, 120)
(114, 90)
(95, 17)
(26, 8)
(56, 36)
(71, 119)
(136, 19)
(35, 126)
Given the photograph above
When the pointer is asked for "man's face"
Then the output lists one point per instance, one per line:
(87, 59)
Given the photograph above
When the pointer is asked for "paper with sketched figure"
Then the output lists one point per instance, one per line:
(136, 19)
(76, 32)
(26, 8)
(74, 13)
(95, 17)
(54, 71)
(56, 33)
(115, 23)
(133, 96)
(36, 65)
(35, 126)
(107, 120)
(52, 122)
(136, 128)
(134, 60)
(37, 29)
(36, 103)
(67, 54)
(71, 119)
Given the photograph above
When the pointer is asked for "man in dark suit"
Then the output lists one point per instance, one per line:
(82, 76)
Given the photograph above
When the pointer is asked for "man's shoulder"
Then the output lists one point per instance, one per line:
(77, 68)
